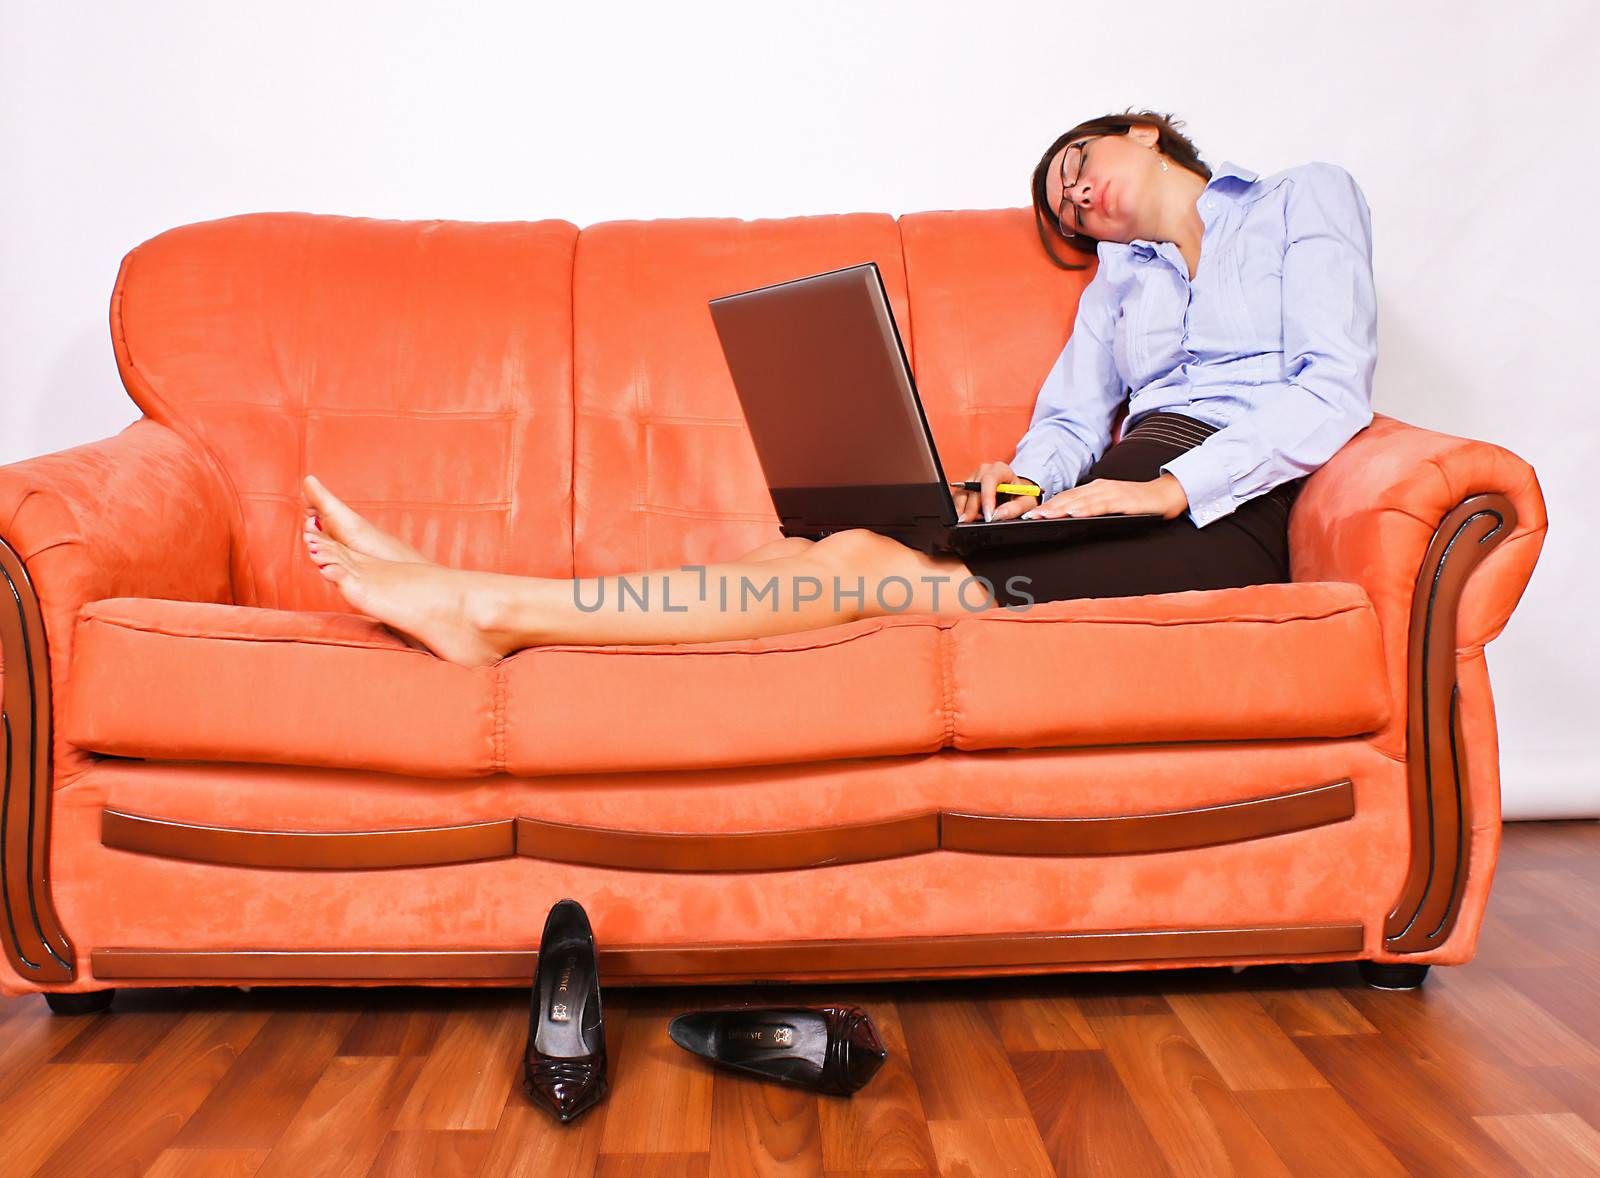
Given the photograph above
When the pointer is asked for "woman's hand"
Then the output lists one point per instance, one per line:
(970, 503)
(1164, 495)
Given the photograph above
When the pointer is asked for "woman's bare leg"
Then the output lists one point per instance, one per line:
(848, 575)
(476, 617)
(787, 546)
(330, 518)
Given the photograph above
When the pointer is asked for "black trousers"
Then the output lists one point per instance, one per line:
(1249, 546)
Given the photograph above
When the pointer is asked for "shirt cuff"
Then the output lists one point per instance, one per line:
(1038, 464)
(1205, 482)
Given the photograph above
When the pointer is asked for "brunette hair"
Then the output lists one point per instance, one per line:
(1169, 140)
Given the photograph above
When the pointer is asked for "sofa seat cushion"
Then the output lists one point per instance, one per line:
(1256, 662)
(199, 681)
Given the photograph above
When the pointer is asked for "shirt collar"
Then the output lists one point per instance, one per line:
(1227, 169)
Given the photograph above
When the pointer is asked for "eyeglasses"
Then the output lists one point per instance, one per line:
(1071, 171)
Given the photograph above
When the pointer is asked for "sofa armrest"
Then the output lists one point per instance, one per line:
(1371, 513)
(138, 514)
(1443, 533)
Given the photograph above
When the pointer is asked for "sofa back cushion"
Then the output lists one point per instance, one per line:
(664, 469)
(420, 369)
(525, 398)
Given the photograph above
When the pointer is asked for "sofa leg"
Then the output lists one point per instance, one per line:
(1384, 975)
(85, 1002)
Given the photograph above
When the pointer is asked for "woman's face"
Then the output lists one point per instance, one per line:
(1116, 191)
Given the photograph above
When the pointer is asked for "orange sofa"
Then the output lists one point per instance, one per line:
(219, 773)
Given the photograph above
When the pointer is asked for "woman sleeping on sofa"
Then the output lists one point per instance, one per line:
(1240, 307)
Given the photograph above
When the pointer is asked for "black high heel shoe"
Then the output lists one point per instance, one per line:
(831, 1049)
(564, 1063)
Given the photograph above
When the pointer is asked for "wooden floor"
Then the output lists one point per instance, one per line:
(1489, 1068)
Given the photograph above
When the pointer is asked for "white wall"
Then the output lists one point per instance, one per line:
(1469, 126)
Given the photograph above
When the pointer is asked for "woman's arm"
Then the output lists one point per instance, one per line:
(1071, 424)
(1330, 349)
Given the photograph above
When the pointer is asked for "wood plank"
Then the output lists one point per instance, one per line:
(957, 1058)
(119, 1036)
(1034, 1014)
(1414, 1119)
(1089, 1123)
(1569, 995)
(31, 1040)
(410, 1030)
(1557, 841)
(1578, 1089)
(1481, 1001)
(654, 1165)
(125, 1132)
(1509, 941)
(1548, 1143)
(465, 1078)
(765, 1129)
(259, 1095)
(1450, 1056)
(354, 1104)
(882, 1127)
(1242, 1042)
(207, 1163)
(1318, 1134)
(980, 1148)
(432, 1153)
(1197, 1124)
(1551, 888)
(41, 1115)
(1564, 942)
(1313, 1010)
(1133, 991)
(530, 1143)
(10, 1009)
(666, 1089)
(1516, 892)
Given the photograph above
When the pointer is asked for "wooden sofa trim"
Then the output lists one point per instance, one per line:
(1441, 803)
(763, 850)
(758, 850)
(329, 850)
(35, 943)
(792, 961)
(1135, 834)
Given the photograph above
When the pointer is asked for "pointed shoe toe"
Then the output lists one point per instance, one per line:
(564, 1087)
(861, 1050)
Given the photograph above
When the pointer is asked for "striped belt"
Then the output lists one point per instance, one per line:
(1173, 429)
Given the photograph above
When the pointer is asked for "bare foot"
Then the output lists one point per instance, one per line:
(329, 516)
(418, 600)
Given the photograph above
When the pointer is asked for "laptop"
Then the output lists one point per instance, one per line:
(838, 427)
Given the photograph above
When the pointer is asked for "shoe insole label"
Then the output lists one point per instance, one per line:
(779, 1036)
(561, 996)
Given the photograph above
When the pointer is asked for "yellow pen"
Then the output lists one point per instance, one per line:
(1002, 488)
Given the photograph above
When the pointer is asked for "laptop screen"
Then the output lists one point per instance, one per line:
(821, 375)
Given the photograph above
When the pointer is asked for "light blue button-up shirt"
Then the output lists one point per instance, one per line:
(1274, 341)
